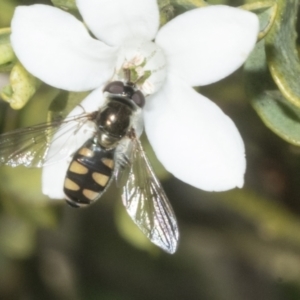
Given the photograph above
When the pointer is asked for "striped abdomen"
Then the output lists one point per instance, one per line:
(89, 174)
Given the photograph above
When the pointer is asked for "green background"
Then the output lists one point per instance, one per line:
(237, 245)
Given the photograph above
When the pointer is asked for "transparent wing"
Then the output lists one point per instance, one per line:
(144, 198)
(28, 146)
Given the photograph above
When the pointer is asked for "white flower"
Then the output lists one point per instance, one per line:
(190, 135)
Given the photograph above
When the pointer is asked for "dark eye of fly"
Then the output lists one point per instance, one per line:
(138, 98)
(118, 88)
(115, 87)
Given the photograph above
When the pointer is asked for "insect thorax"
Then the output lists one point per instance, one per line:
(114, 120)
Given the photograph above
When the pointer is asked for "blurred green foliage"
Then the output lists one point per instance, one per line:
(242, 244)
(7, 56)
(282, 53)
(21, 88)
(272, 73)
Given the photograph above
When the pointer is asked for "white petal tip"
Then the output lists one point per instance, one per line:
(220, 44)
(56, 48)
(194, 139)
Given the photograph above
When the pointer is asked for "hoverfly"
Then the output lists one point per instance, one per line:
(113, 151)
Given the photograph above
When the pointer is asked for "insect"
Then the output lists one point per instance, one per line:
(113, 151)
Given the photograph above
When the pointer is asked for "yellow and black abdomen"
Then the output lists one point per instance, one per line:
(89, 174)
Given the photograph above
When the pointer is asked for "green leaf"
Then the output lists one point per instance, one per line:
(7, 56)
(65, 4)
(171, 8)
(276, 112)
(266, 12)
(181, 6)
(189, 4)
(63, 104)
(281, 49)
(69, 6)
(40, 103)
(22, 87)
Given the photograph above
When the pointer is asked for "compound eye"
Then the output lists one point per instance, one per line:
(138, 98)
(115, 87)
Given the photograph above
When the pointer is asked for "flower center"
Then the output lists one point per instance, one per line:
(142, 63)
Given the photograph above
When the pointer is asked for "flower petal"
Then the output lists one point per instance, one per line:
(65, 143)
(194, 139)
(114, 21)
(55, 47)
(207, 44)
